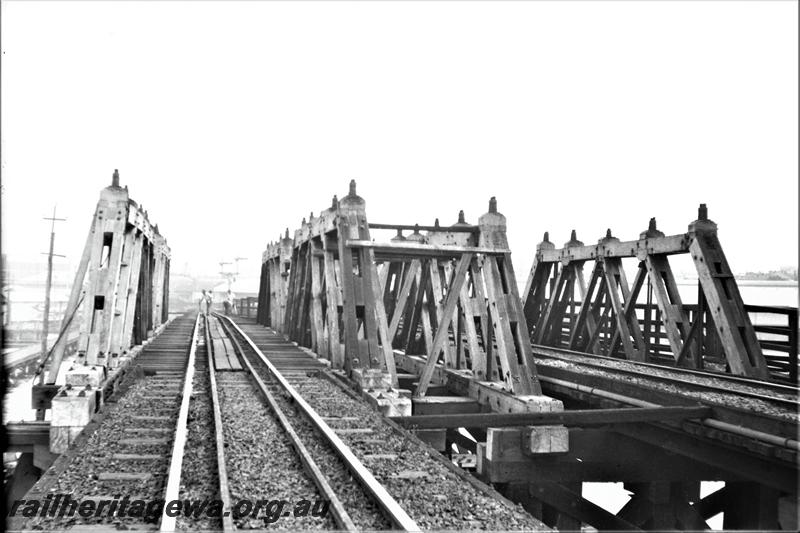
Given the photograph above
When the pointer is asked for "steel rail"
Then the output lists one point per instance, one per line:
(775, 440)
(779, 387)
(385, 501)
(562, 354)
(179, 443)
(340, 515)
(219, 438)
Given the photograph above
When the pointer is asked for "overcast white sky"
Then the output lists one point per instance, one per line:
(230, 121)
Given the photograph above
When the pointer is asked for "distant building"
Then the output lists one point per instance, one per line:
(23, 295)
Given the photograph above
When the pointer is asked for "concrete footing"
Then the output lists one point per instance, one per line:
(72, 409)
(376, 388)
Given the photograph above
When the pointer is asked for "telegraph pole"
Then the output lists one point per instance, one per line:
(237, 259)
(50, 254)
(230, 276)
(225, 275)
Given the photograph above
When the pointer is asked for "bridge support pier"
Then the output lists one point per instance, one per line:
(750, 506)
(72, 411)
(25, 476)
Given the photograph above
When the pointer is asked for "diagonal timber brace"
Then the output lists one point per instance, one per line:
(607, 320)
(108, 280)
(357, 302)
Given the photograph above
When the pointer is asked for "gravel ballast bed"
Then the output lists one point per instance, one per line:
(358, 504)
(199, 474)
(732, 386)
(726, 399)
(260, 461)
(434, 496)
(80, 477)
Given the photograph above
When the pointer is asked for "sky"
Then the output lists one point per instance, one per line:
(231, 121)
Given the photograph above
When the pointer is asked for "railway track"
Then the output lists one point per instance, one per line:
(129, 449)
(235, 431)
(783, 397)
(357, 500)
(433, 493)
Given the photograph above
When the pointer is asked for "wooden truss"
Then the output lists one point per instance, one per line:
(609, 317)
(121, 288)
(449, 295)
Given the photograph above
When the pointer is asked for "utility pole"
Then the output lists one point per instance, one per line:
(225, 275)
(50, 254)
(46, 319)
(237, 259)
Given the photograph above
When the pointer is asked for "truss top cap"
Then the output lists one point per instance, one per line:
(608, 238)
(492, 216)
(461, 220)
(573, 240)
(492, 226)
(652, 231)
(436, 223)
(115, 178)
(702, 223)
(416, 236)
(546, 244)
(352, 199)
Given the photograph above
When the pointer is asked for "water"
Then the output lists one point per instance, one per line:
(753, 293)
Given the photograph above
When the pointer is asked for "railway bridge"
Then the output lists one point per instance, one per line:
(394, 376)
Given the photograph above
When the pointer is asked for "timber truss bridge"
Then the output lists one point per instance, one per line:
(525, 395)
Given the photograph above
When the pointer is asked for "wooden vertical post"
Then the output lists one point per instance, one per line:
(115, 341)
(536, 287)
(334, 302)
(742, 349)
(318, 341)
